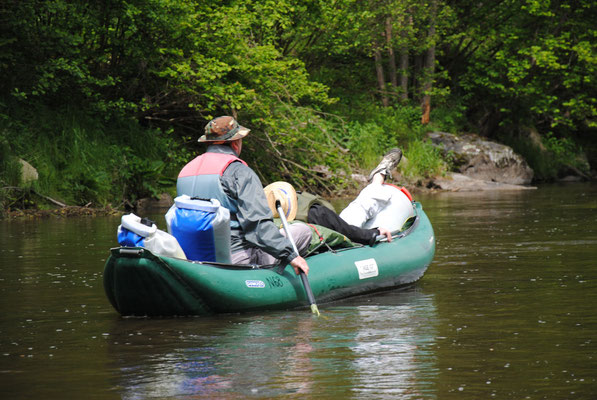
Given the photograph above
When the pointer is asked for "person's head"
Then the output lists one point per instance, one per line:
(225, 130)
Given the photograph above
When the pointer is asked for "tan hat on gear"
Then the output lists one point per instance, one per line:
(285, 193)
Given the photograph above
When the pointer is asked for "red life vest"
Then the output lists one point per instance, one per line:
(201, 178)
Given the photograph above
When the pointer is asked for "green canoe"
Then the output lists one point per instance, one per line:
(138, 282)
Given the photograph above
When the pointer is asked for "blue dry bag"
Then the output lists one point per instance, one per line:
(202, 227)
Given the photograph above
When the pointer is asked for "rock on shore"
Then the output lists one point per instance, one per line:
(480, 164)
(456, 182)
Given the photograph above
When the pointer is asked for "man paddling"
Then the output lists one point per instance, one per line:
(219, 173)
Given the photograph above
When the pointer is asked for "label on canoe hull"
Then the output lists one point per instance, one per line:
(254, 284)
(367, 268)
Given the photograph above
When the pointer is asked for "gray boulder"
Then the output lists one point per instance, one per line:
(481, 159)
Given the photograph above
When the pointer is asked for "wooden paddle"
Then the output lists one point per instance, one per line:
(303, 276)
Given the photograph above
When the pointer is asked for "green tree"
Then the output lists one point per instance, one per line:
(526, 63)
(169, 64)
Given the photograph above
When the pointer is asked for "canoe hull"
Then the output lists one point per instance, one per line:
(138, 282)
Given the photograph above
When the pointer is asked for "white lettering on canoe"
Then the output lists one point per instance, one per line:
(367, 268)
(254, 284)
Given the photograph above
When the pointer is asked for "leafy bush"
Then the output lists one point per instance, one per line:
(366, 142)
(422, 160)
(10, 168)
(83, 160)
(552, 157)
(10, 174)
(393, 127)
(297, 144)
(449, 118)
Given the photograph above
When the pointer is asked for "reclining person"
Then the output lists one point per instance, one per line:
(356, 219)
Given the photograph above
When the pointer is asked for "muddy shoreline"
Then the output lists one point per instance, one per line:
(60, 212)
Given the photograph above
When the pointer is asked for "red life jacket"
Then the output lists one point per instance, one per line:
(201, 178)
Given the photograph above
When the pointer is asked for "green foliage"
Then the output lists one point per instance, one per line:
(565, 153)
(10, 168)
(158, 59)
(367, 141)
(80, 160)
(106, 99)
(10, 174)
(422, 160)
(394, 127)
(552, 157)
(301, 147)
(540, 161)
(450, 117)
(527, 63)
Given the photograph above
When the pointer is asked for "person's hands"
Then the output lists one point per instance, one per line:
(387, 233)
(299, 263)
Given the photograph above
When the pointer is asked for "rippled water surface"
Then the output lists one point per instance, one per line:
(506, 310)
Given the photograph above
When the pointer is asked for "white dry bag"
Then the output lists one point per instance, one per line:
(134, 232)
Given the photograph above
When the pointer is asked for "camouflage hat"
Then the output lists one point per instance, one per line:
(223, 128)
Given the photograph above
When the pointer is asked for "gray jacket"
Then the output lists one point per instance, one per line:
(257, 228)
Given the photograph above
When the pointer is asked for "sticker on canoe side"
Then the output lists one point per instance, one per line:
(367, 268)
(254, 284)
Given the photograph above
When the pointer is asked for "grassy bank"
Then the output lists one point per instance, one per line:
(82, 160)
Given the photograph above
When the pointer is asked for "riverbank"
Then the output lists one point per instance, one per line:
(447, 182)
(451, 182)
(60, 212)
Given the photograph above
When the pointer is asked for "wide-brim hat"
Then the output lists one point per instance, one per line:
(285, 193)
(223, 128)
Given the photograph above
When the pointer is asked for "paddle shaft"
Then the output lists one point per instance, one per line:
(301, 272)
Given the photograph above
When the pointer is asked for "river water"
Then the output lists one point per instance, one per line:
(506, 310)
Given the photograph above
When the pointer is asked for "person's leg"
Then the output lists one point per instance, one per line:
(301, 234)
(371, 200)
(323, 216)
(246, 256)
(378, 179)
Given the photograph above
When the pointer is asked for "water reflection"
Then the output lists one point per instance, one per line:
(393, 350)
(376, 351)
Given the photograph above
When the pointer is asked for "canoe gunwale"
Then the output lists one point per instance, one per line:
(138, 251)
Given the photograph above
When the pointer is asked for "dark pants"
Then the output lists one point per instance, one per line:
(321, 215)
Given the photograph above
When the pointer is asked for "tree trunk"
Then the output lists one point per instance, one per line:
(380, 77)
(404, 74)
(429, 67)
(404, 62)
(391, 56)
(417, 72)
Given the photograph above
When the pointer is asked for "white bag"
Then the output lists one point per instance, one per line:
(132, 232)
